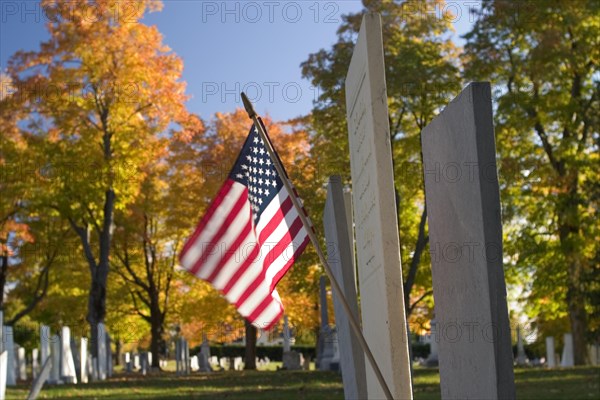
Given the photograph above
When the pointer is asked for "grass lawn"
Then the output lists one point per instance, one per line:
(572, 383)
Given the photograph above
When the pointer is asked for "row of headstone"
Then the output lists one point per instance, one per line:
(460, 213)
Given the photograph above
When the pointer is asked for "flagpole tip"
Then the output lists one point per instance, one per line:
(248, 106)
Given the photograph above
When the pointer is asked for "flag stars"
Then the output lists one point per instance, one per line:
(255, 150)
(262, 151)
(261, 162)
(256, 137)
(260, 171)
(260, 181)
(254, 160)
(267, 192)
(268, 162)
(268, 172)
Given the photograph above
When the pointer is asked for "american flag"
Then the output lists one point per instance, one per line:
(249, 237)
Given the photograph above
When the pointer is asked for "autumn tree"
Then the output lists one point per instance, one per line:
(421, 76)
(543, 58)
(98, 93)
(150, 233)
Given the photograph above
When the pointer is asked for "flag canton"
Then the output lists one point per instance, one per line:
(254, 168)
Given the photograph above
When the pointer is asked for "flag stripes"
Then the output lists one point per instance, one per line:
(249, 237)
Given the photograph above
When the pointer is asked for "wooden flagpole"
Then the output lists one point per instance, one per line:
(313, 238)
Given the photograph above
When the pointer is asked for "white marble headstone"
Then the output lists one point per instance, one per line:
(68, 373)
(375, 215)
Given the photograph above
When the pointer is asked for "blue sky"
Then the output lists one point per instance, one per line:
(228, 46)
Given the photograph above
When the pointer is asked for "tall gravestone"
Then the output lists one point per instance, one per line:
(550, 352)
(68, 373)
(44, 343)
(109, 356)
(337, 220)
(21, 364)
(9, 347)
(465, 236)
(521, 356)
(102, 352)
(83, 360)
(567, 359)
(35, 367)
(375, 217)
(55, 356)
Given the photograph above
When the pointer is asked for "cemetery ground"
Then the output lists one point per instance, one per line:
(531, 383)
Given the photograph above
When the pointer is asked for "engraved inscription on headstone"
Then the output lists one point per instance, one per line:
(375, 218)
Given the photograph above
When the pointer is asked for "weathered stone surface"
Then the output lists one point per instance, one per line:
(375, 217)
(465, 231)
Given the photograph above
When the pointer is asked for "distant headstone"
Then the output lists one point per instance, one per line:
(194, 363)
(3, 370)
(432, 360)
(109, 358)
(567, 354)
(44, 343)
(550, 352)
(128, 363)
(144, 362)
(238, 364)
(186, 357)
(224, 363)
(149, 359)
(292, 361)
(465, 238)
(375, 215)
(102, 352)
(94, 373)
(205, 348)
(594, 354)
(521, 357)
(83, 360)
(325, 353)
(136, 362)
(22, 364)
(9, 347)
(203, 363)
(337, 221)
(38, 383)
(35, 366)
(286, 334)
(68, 373)
(55, 356)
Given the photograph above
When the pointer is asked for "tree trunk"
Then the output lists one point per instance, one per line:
(250, 359)
(156, 328)
(96, 312)
(570, 239)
